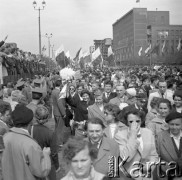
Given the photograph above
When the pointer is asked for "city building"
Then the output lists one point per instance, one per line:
(104, 45)
(139, 29)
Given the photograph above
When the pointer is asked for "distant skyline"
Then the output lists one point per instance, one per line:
(73, 23)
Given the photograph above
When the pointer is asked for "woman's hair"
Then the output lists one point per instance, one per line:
(155, 102)
(135, 112)
(76, 144)
(80, 85)
(165, 101)
(41, 114)
(95, 120)
(85, 92)
(114, 109)
(4, 107)
(15, 95)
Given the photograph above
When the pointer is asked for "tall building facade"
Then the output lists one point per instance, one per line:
(104, 45)
(139, 28)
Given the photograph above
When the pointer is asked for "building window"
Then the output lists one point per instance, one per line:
(172, 32)
(177, 31)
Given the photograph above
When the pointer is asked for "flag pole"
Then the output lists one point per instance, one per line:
(150, 59)
(64, 61)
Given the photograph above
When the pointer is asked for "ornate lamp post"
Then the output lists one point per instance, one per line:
(39, 9)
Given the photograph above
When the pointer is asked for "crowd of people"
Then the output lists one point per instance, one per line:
(123, 123)
(16, 62)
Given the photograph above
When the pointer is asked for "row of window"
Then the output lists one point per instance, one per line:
(171, 32)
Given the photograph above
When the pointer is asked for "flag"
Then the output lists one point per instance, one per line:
(59, 50)
(97, 57)
(179, 45)
(85, 59)
(60, 57)
(67, 54)
(43, 48)
(110, 57)
(80, 55)
(140, 51)
(62, 94)
(148, 48)
(155, 49)
(110, 52)
(77, 55)
(163, 46)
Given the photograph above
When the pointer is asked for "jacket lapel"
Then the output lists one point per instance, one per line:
(107, 132)
(169, 146)
(98, 111)
(104, 148)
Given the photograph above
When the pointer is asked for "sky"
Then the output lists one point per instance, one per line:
(73, 23)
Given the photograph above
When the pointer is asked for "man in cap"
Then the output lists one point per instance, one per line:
(37, 95)
(23, 158)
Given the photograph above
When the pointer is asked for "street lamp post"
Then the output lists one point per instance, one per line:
(48, 37)
(52, 47)
(39, 9)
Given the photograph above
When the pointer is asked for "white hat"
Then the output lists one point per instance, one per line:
(131, 91)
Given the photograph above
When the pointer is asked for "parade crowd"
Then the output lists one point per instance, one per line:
(131, 115)
(16, 62)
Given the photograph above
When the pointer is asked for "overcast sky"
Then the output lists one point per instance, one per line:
(73, 23)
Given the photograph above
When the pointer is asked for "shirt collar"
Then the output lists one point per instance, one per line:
(176, 137)
(25, 130)
(91, 175)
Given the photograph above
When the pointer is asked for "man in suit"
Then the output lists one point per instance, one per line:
(120, 99)
(58, 112)
(162, 92)
(95, 88)
(136, 144)
(97, 109)
(108, 94)
(106, 147)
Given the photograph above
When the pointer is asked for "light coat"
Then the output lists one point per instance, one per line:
(23, 158)
(130, 150)
(166, 149)
(95, 112)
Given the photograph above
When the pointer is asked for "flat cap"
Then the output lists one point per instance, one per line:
(173, 115)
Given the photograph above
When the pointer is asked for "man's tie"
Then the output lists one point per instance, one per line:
(162, 94)
(107, 95)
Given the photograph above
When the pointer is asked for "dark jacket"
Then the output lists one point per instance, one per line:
(46, 138)
(111, 96)
(80, 108)
(58, 104)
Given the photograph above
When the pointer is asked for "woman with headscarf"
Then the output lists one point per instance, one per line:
(169, 147)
